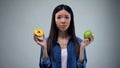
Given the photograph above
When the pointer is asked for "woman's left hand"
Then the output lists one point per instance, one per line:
(86, 42)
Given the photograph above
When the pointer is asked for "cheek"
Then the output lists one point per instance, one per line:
(69, 22)
(68, 25)
(56, 21)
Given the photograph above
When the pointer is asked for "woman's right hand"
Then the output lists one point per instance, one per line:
(42, 43)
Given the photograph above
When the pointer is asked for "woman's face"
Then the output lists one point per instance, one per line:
(62, 19)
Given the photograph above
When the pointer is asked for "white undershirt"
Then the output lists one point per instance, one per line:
(64, 57)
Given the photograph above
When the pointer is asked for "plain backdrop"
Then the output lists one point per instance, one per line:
(18, 19)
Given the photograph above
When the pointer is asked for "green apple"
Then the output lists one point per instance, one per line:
(88, 34)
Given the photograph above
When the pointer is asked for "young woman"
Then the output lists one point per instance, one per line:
(62, 49)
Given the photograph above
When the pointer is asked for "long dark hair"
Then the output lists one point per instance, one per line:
(52, 38)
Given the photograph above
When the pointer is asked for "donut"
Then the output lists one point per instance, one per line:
(38, 32)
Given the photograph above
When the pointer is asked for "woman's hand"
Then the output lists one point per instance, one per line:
(86, 42)
(42, 43)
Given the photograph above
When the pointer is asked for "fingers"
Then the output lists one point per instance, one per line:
(35, 38)
(91, 38)
(44, 37)
(86, 41)
(40, 41)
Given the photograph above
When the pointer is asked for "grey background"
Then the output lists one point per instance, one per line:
(18, 18)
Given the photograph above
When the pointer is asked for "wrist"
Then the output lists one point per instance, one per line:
(45, 54)
(44, 48)
(82, 47)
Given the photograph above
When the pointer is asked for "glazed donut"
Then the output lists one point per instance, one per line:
(39, 32)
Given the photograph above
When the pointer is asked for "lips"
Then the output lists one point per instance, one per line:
(62, 26)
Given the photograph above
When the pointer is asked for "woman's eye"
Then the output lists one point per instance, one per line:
(67, 17)
(58, 17)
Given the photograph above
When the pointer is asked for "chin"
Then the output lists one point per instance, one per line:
(63, 30)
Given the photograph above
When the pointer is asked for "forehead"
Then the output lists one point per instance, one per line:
(63, 12)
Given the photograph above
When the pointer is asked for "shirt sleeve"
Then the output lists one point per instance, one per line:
(79, 63)
(82, 64)
(44, 63)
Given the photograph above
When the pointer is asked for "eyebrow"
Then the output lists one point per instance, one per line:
(63, 15)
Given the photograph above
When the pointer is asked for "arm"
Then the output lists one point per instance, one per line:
(82, 56)
(44, 59)
(82, 61)
(84, 43)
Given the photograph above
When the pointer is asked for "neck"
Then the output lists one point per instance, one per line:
(62, 34)
(63, 38)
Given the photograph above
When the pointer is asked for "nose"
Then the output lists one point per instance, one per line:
(63, 20)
